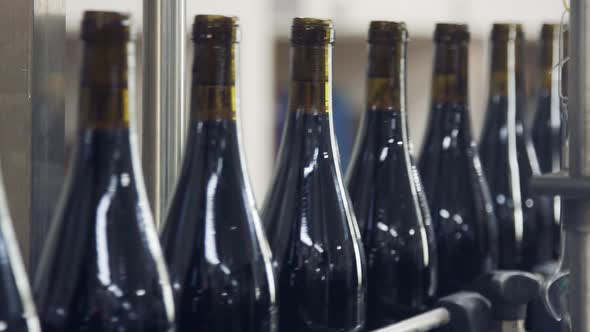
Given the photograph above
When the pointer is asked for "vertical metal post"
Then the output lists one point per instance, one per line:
(32, 36)
(48, 119)
(151, 115)
(577, 221)
(173, 95)
(163, 118)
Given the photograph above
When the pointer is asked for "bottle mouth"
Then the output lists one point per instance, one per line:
(387, 32)
(451, 33)
(106, 27)
(216, 28)
(507, 31)
(307, 31)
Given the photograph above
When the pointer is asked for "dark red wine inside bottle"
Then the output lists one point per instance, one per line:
(312, 231)
(219, 259)
(102, 267)
(508, 155)
(454, 182)
(548, 129)
(401, 258)
(17, 311)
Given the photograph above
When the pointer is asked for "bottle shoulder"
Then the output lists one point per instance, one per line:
(382, 187)
(464, 175)
(307, 214)
(313, 193)
(213, 195)
(213, 230)
(102, 251)
(101, 236)
(212, 225)
(308, 160)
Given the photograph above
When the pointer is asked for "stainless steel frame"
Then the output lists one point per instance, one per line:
(577, 221)
(32, 118)
(163, 118)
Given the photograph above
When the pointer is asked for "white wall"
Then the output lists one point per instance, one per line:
(351, 17)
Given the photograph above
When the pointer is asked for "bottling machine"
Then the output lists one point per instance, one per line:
(34, 104)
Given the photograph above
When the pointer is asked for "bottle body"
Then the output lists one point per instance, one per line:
(320, 271)
(546, 136)
(510, 167)
(383, 187)
(459, 197)
(213, 238)
(102, 267)
(454, 183)
(548, 133)
(508, 155)
(17, 312)
(311, 229)
(400, 258)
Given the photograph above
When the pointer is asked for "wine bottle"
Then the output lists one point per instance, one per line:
(454, 182)
(401, 259)
(507, 153)
(102, 267)
(310, 226)
(17, 311)
(218, 256)
(548, 130)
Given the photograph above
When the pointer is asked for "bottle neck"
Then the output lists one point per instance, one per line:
(214, 93)
(104, 86)
(213, 130)
(311, 79)
(507, 75)
(386, 83)
(450, 77)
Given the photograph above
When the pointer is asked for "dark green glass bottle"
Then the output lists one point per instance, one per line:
(307, 214)
(548, 130)
(454, 182)
(508, 155)
(102, 268)
(401, 258)
(219, 259)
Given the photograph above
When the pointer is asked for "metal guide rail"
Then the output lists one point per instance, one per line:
(503, 308)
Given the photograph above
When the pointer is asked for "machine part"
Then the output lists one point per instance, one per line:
(510, 292)
(577, 220)
(560, 183)
(539, 319)
(512, 326)
(459, 312)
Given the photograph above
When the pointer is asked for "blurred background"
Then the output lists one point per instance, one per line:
(265, 58)
(264, 62)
